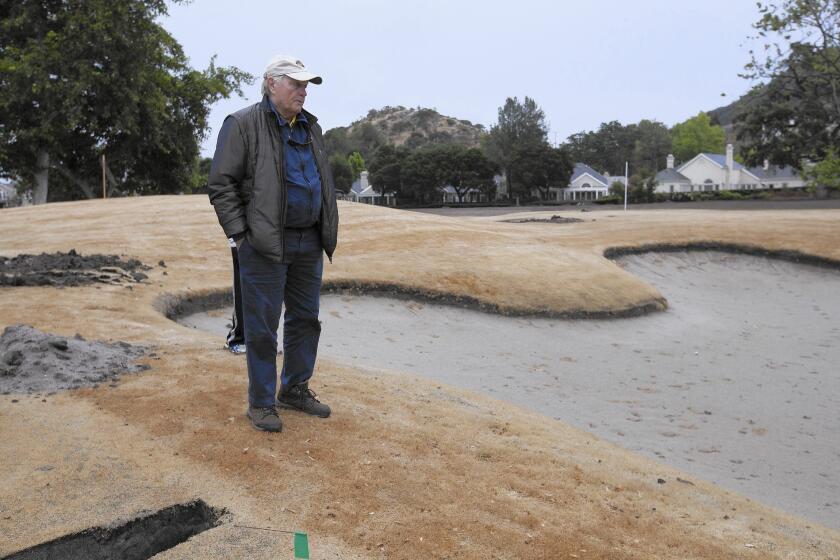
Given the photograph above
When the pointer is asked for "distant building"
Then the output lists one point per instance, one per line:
(8, 195)
(472, 195)
(362, 191)
(720, 172)
(779, 176)
(587, 184)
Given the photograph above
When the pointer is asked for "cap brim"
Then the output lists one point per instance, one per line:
(305, 77)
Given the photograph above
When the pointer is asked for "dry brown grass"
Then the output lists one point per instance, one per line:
(404, 468)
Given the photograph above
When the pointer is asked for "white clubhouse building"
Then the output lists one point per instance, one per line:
(719, 172)
(588, 184)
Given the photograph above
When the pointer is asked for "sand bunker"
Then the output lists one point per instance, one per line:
(734, 382)
(32, 361)
(69, 269)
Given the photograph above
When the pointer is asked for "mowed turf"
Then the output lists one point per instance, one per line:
(404, 468)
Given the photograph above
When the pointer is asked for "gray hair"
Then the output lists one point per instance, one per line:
(270, 73)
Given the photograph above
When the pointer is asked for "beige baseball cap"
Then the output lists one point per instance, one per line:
(287, 65)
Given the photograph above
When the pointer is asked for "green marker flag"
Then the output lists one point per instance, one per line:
(301, 546)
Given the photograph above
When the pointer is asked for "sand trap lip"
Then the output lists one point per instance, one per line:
(725, 393)
(733, 248)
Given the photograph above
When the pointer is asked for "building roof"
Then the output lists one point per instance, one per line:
(775, 172)
(720, 159)
(671, 176)
(583, 169)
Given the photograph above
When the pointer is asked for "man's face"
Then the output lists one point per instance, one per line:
(287, 95)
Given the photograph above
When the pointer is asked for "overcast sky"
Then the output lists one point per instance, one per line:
(583, 62)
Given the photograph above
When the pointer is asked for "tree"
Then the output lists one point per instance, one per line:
(81, 78)
(642, 188)
(356, 163)
(341, 172)
(644, 146)
(697, 135)
(464, 169)
(651, 147)
(795, 113)
(386, 170)
(537, 165)
(420, 175)
(604, 150)
(827, 172)
(518, 123)
(201, 172)
(617, 189)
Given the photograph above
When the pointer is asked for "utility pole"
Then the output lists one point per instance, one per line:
(626, 181)
(104, 191)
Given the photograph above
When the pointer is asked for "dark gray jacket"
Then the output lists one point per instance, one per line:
(247, 183)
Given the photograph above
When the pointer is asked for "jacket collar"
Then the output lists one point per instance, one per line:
(265, 105)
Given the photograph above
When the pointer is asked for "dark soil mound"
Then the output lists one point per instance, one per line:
(34, 361)
(68, 269)
(552, 220)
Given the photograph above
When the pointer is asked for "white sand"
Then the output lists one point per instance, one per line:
(736, 383)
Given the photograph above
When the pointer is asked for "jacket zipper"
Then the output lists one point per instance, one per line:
(324, 204)
(282, 164)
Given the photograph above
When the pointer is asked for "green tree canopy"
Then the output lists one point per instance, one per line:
(81, 78)
(651, 146)
(605, 149)
(697, 135)
(826, 173)
(420, 175)
(356, 163)
(538, 166)
(341, 172)
(386, 170)
(518, 123)
(643, 146)
(795, 114)
(464, 169)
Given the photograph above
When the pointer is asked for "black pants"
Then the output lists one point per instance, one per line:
(237, 329)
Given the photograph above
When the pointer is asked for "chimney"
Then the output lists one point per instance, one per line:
(363, 178)
(670, 164)
(766, 164)
(730, 156)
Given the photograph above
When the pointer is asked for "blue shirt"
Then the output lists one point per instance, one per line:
(303, 192)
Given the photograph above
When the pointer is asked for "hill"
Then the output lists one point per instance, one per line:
(401, 126)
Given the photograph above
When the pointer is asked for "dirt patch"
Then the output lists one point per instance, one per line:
(69, 269)
(137, 539)
(34, 361)
(552, 220)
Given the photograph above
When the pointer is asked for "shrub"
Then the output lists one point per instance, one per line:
(611, 199)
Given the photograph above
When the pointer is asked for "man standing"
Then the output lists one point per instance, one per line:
(273, 193)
